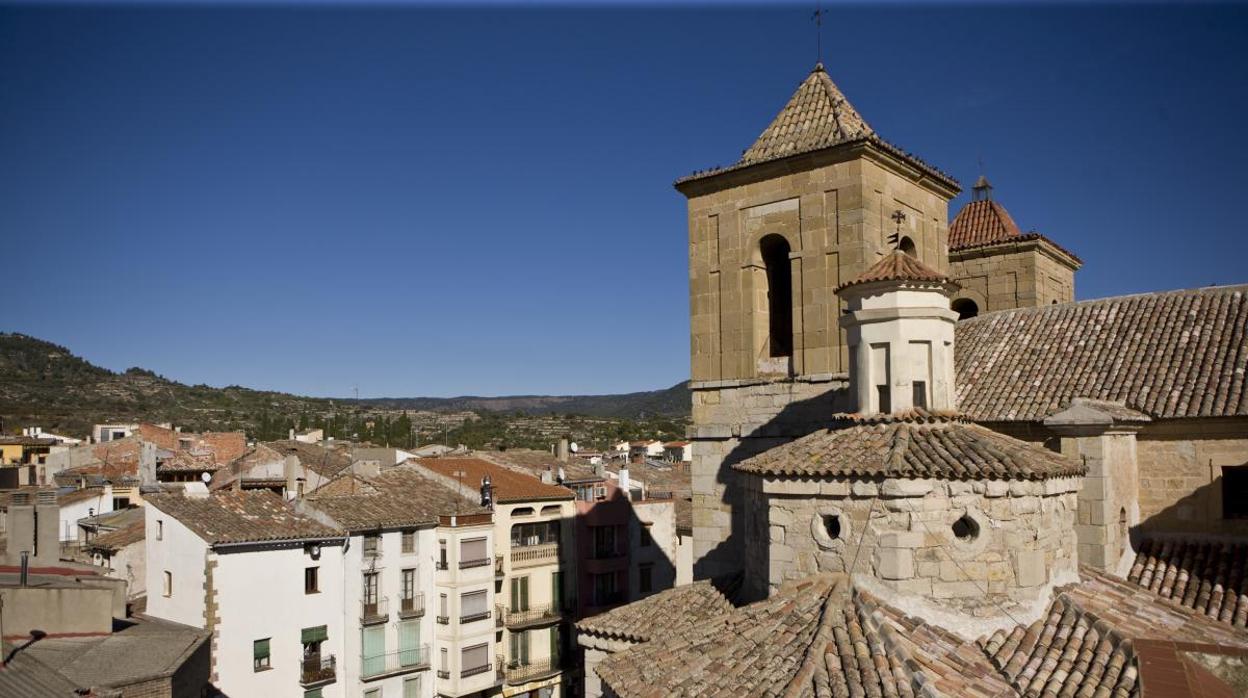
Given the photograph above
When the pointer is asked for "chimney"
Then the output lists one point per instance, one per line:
(290, 434)
(487, 492)
(147, 463)
(47, 526)
(20, 523)
(562, 452)
(624, 479)
(290, 470)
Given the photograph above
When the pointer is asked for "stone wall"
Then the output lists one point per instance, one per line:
(898, 537)
(733, 420)
(1180, 474)
(1012, 275)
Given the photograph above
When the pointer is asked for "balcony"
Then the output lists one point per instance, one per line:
(444, 674)
(498, 567)
(533, 555)
(394, 663)
(535, 616)
(532, 671)
(474, 617)
(374, 612)
(441, 565)
(474, 670)
(444, 620)
(412, 606)
(318, 671)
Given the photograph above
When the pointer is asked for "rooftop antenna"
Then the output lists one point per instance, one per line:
(817, 18)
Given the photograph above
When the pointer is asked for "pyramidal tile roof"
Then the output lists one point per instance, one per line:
(817, 116)
(981, 222)
(897, 266)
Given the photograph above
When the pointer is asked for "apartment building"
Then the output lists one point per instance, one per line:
(265, 581)
(532, 571)
(404, 526)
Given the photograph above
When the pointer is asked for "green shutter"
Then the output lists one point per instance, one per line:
(314, 693)
(260, 649)
(556, 589)
(317, 634)
(554, 643)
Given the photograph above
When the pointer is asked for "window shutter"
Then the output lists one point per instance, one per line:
(472, 550)
(260, 649)
(317, 634)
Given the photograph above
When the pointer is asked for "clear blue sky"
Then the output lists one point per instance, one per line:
(437, 202)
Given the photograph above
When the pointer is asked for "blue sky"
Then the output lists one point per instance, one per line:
(425, 201)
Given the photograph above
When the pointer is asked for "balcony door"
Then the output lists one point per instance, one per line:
(520, 648)
(409, 643)
(374, 651)
(519, 594)
(370, 593)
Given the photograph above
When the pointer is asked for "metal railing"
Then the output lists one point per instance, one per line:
(520, 673)
(473, 617)
(474, 670)
(444, 674)
(318, 670)
(534, 615)
(374, 612)
(481, 562)
(412, 606)
(530, 555)
(413, 659)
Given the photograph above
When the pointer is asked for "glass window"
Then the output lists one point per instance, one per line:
(408, 581)
(534, 533)
(472, 550)
(646, 580)
(411, 687)
(646, 539)
(409, 542)
(371, 544)
(168, 583)
(310, 581)
(260, 654)
(474, 603)
(475, 659)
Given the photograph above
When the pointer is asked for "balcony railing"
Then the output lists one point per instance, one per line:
(412, 606)
(414, 659)
(474, 670)
(444, 674)
(444, 620)
(530, 555)
(441, 565)
(530, 617)
(473, 617)
(375, 611)
(498, 566)
(318, 670)
(532, 671)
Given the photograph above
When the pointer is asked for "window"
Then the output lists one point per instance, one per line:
(260, 655)
(919, 399)
(472, 553)
(518, 654)
(473, 606)
(371, 544)
(604, 541)
(444, 611)
(906, 245)
(444, 661)
(313, 693)
(310, 582)
(160, 529)
(556, 589)
(646, 539)
(646, 579)
(527, 534)
(407, 583)
(409, 542)
(832, 524)
(372, 693)
(1235, 492)
(168, 583)
(775, 252)
(965, 528)
(475, 660)
(1122, 531)
(441, 554)
(605, 590)
(372, 581)
(520, 512)
(519, 594)
(550, 510)
(885, 397)
(411, 687)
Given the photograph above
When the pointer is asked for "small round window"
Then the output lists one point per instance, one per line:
(966, 529)
(832, 524)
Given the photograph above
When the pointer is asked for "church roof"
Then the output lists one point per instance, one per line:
(914, 444)
(897, 266)
(816, 117)
(1208, 576)
(981, 222)
(667, 613)
(1168, 355)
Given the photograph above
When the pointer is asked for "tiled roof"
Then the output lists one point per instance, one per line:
(228, 516)
(981, 222)
(1209, 576)
(187, 462)
(509, 485)
(915, 444)
(897, 266)
(326, 462)
(667, 613)
(816, 117)
(400, 496)
(1084, 644)
(1172, 354)
(811, 638)
(26, 676)
(116, 540)
(143, 650)
(345, 484)
(10, 440)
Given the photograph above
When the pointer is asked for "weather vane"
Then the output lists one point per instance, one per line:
(898, 217)
(817, 18)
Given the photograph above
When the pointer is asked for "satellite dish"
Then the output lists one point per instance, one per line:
(573, 447)
(206, 477)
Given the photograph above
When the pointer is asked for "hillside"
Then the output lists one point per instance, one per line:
(46, 384)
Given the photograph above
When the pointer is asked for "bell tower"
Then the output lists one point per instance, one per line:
(809, 205)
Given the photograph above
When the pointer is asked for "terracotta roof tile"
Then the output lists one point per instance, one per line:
(911, 445)
(399, 496)
(244, 516)
(116, 540)
(509, 485)
(981, 222)
(670, 612)
(326, 462)
(1209, 576)
(897, 266)
(1172, 354)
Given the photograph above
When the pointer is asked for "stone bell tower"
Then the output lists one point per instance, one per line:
(818, 199)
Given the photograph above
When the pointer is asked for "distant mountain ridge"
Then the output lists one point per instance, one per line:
(46, 384)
